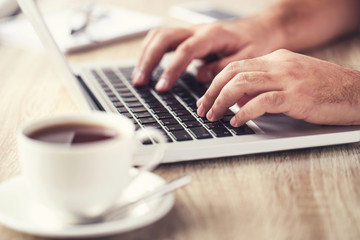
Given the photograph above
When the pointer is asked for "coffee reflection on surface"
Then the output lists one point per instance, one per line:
(73, 133)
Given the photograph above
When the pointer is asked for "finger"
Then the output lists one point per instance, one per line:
(269, 102)
(228, 73)
(138, 77)
(242, 101)
(208, 72)
(192, 48)
(242, 86)
(156, 44)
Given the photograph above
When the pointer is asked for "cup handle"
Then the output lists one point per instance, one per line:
(145, 134)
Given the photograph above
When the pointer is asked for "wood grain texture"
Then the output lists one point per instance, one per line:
(301, 194)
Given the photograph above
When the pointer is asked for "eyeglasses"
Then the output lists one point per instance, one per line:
(84, 17)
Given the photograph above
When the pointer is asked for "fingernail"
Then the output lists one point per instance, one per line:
(161, 85)
(198, 103)
(205, 76)
(201, 111)
(234, 122)
(210, 115)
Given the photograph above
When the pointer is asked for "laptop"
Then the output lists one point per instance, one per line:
(107, 87)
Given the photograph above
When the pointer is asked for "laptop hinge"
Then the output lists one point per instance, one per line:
(91, 97)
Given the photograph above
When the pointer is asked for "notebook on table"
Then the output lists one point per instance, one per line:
(107, 87)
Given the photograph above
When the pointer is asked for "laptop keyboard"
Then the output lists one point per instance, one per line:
(173, 112)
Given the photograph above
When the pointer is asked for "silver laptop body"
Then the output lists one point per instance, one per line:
(107, 87)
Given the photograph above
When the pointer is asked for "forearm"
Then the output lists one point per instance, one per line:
(302, 24)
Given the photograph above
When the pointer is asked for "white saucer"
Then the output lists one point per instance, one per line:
(17, 209)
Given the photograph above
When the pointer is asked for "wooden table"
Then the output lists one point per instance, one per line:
(301, 194)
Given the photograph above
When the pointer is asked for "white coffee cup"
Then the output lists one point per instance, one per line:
(83, 180)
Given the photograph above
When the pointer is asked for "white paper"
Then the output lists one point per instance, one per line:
(113, 24)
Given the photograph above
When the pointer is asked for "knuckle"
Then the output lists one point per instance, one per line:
(218, 104)
(281, 52)
(279, 55)
(215, 28)
(242, 79)
(273, 99)
(247, 80)
(231, 67)
(161, 35)
(211, 28)
(186, 48)
(209, 95)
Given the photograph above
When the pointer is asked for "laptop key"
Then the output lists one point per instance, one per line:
(193, 107)
(174, 127)
(221, 132)
(138, 109)
(143, 92)
(121, 90)
(153, 124)
(242, 130)
(200, 132)
(177, 108)
(227, 118)
(126, 94)
(118, 104)
(169, 121)
(154, 104)
(203, 119)
(181, 135)
(130, 99)
(179, 113)
(151, 100)
(122, 109)
(158, 110)
(113, 99)
(134, 104)
(164, 115)
(166, 96)
(192, 124)
(147, 120)
(187, 118)
(212, 125)
(172, 102)
(142, 115)
(189, 100)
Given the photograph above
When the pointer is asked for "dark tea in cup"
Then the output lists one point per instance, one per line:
(73, 133)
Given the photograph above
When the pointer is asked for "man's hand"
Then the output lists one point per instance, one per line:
(284, 82)
(291, 24)
(231, 41)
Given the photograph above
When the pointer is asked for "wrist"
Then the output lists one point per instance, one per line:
(269, 26)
